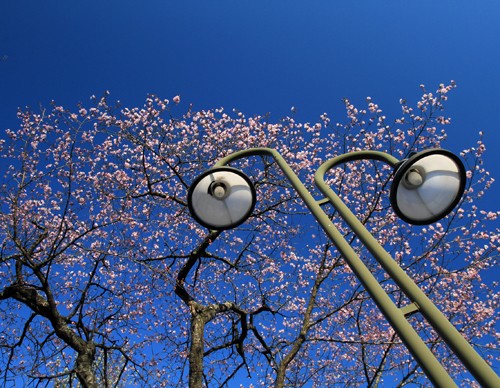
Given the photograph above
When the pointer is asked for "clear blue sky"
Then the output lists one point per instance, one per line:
(257, 56)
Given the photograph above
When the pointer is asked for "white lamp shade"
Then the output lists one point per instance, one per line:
(221, 198)
(428, 186)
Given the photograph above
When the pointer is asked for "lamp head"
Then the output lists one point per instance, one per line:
(427, 186)
(221, 198)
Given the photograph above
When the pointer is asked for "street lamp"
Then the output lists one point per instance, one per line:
(221, 198)
(425, 188)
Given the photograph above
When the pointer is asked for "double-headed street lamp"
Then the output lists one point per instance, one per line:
(425, 188)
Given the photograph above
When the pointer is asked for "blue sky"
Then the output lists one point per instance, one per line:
(257, 56)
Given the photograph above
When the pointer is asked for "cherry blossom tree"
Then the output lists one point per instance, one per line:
(106, 280)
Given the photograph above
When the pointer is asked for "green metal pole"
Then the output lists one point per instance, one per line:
(458, 344)
(426, 359)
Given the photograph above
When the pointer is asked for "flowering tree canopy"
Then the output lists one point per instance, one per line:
(106, 280)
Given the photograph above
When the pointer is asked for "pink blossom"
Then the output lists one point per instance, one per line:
(95, 224)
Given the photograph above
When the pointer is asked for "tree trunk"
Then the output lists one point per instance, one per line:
(200, 315)
(280, 377)
(283, 366)
(83, 367)
(196, 351)
(47, 308)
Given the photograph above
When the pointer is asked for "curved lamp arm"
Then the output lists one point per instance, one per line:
(458, 344)
(396, 317)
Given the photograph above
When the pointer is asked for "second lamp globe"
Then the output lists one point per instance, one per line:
(427, 186)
